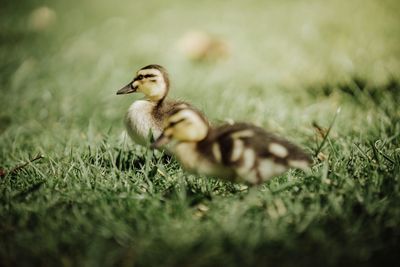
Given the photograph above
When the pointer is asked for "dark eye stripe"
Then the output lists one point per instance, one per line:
(138, 78)
(171, 124)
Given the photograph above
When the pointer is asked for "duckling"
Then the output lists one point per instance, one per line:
(145, 117)
(239, 152)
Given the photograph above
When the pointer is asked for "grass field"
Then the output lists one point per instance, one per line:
(96, 199)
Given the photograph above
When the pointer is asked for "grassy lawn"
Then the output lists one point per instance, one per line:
(95, 199)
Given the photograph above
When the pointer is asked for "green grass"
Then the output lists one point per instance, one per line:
(98, 200)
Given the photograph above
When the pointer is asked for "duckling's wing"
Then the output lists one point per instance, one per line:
(280, 150)
(253, 153)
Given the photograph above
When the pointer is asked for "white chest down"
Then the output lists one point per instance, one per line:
(139, 121)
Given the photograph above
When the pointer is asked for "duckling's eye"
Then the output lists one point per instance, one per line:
(139, 77)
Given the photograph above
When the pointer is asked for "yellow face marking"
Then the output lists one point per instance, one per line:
(187, 125)
(278, 150)
(179, 116)
(153, 87)
(168, 132)
(149, 72)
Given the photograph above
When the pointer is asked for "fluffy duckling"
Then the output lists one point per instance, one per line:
(145, 117)
(237, 152)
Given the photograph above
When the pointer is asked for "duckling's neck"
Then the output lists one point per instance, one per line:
(156, 100)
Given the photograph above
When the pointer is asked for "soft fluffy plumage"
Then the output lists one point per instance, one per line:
(147, 115)
(237, 152)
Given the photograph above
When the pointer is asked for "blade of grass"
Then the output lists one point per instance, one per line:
(327, 133)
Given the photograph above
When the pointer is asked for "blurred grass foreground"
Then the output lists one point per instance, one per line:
(95, 199)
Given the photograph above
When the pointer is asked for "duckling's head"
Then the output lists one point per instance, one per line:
(184, 125)
(151, 80)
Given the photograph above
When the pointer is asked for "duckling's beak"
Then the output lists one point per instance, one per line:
(127, 89)
(161, 141)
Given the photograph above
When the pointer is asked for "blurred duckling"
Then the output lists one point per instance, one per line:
(202, 46)
(144, 119)
(238, 152)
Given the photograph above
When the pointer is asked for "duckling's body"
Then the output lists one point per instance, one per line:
(242, 151)
(237, 152)
(139, 121)
(195, 161)
(146, 116)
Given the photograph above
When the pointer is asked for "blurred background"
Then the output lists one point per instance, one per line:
(62, 61)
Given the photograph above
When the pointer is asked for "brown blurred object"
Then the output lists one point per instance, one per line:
(321, 156)
(42, 18)
(320, 130)
(199, 46)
